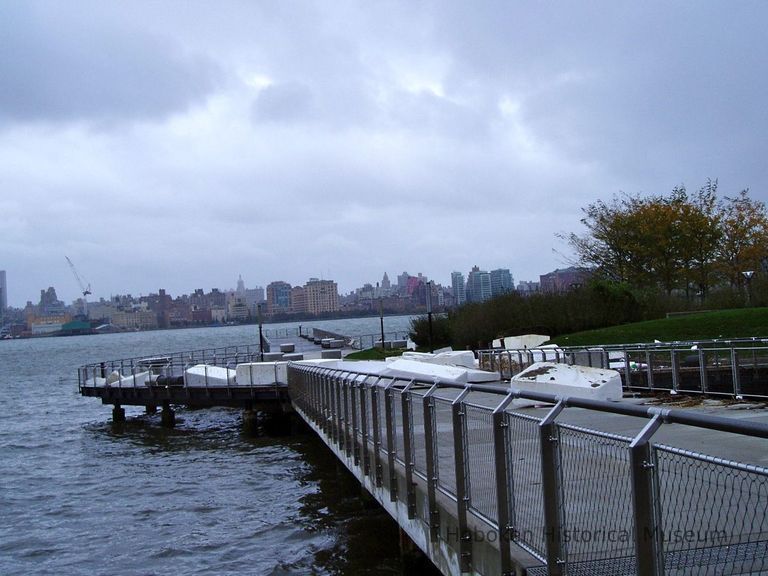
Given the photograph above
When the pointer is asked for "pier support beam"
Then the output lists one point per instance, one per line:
(118, 414)
(250, 422)
(168, 416)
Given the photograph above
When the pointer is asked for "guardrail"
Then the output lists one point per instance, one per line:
(738, 371)
(168, 367)
(580, 500)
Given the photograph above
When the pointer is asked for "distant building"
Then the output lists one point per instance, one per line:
(478, 285)
(459, 289)
(278, 297)
(322, 296)
(501, 282)
(3, 295)
(237, 308)
(298, 300)
(562, 280)
(50, 305)
(527, 287)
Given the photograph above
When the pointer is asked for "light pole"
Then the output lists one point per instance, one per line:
(261, 335)
(381, 321)
(748, 275)
(429, 314)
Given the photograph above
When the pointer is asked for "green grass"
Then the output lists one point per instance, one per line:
(374, 354)
(738, 323)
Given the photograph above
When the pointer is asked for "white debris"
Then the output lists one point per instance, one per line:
(573, 381)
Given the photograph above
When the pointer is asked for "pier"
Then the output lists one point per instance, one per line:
(481, 485)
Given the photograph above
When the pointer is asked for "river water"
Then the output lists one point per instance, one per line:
(81, 496)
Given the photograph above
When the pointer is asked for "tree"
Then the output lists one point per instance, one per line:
(677, 241)
(744, 241)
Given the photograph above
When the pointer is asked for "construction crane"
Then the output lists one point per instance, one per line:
(84, 290)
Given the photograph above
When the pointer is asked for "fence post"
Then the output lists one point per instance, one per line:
(355, 420)
(736, 374)
(675, 371)
(551, 485)
(648, 549)
(429, 442)
(504, 485)
(345, 428)
(703, 372)
(408, 457)
(391, 448)
(376, 425)
(462, 494)
(364, 429)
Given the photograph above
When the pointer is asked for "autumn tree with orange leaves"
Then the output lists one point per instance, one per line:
(680, 241)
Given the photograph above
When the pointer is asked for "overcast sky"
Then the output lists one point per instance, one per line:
(179, 144)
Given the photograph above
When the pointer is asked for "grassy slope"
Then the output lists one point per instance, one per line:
(738, 323)
(373, 354)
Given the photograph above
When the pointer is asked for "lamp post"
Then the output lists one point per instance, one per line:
(748, 275)
(429, 314)
(381, 321)
(261, 335)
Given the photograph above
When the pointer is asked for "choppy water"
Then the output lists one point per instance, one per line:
(81, 496)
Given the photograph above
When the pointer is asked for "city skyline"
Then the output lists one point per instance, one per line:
(70, 294)
(167, 144)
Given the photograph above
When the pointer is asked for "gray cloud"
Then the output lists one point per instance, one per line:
(69, 67)
(286, 140)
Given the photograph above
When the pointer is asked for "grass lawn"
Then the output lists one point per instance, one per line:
(738, 323)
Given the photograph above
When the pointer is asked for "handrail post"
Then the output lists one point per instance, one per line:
(353, 386)
(736, 374)
(648, 548)
(408, 457)
(551, 485)
(462, 494)
(364, 429)
(388, 408)
(345, 428)
(504, 487)
(675, 370)
(703, 372)
(376, 425)
(429, 442)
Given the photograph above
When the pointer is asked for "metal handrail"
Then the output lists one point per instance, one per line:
(734, 370)
(633, 461)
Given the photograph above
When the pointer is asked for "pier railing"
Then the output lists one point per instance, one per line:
(170, 367)
(580, 500)
(738, 369)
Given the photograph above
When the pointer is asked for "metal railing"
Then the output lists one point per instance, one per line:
(580, 500)
(736, 369)
(169, 368)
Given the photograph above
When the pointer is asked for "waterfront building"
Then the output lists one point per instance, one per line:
(278, 297)
(50, 305)
(501, 282)
(322, 296)
(298, 300)
(478, 285)
(459, 288)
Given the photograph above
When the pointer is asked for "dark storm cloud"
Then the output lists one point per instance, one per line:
(63, 65)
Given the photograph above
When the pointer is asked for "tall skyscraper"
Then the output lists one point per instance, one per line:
(3, 294)
(501, 282)
(478, 285)
(459, 289)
